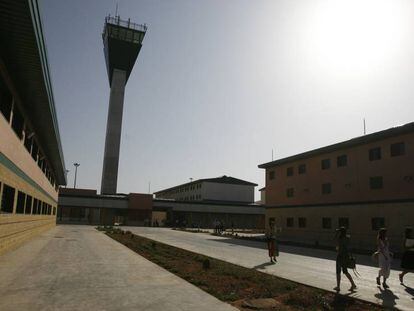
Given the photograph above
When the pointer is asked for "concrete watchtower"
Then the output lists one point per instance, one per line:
(122, 43)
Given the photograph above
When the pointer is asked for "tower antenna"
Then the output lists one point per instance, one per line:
(365, 128)
(116, 10)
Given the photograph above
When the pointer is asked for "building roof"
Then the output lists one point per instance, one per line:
(361, 140)
(221, 180)
(23, 51)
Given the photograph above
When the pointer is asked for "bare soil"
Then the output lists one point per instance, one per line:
(242, 287)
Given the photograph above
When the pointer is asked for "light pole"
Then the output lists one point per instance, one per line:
(76, 172)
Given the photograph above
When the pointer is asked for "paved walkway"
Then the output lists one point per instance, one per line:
(304, 265)
(79, 268)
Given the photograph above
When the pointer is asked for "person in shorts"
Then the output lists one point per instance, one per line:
(342, 258)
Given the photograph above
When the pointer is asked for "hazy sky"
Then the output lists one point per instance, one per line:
(219, 84)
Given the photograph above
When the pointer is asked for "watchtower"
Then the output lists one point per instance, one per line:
(122, 43)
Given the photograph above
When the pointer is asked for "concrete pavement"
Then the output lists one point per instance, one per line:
(304, 265)
(79, 268)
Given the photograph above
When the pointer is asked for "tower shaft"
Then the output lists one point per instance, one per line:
(113, 133)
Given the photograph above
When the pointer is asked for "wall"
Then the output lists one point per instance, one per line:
(349, 183)
(227, 192)
(397, 217)
(20, 171)
(16, 229)
(12, 148)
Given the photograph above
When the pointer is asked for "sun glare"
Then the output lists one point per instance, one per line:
(356, 36)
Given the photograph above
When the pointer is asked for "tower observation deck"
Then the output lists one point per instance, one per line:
(122, 43)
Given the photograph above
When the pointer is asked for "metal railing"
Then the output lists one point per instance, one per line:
(125, 23)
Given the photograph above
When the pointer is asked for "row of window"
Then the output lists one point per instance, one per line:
(374, 154)
(13, 115)
(190, 198)
(25, 204)
(326, 222)
(326, 188)
(181, 189)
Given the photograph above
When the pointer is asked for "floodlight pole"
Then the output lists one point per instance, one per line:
(76, 172)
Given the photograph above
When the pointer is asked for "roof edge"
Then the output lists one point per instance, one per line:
(356, 141)
(38, 30)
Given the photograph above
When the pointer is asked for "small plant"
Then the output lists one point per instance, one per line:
(153, 244)
(206, 264)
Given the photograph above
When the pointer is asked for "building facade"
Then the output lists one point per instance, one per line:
(31, 159)
(224, 188)
(364, 183)
(87, 207)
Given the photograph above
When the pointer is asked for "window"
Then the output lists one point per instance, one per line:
(375, 182)
(20, 202)
(343, 222)
(271, 175)
(28, 141)
(326, 188)
(375, 154)
(397, 149)
(34, 208)
(326, 164)
(342, 161)
(302, 169)
(7, 199)
(289, 192)
(17, 122)
(289, 222)
(35, 150)
(39, 207)
(28, 205)
(377, 223)
(289, 171)
(54, 210)
(326, 223)
(6, 100)
(302, 222)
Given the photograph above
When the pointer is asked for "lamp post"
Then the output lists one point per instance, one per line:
(66, 172)
(76, 172)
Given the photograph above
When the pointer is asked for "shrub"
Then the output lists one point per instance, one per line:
(206, 264)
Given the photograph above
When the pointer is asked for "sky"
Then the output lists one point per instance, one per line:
(220, 84)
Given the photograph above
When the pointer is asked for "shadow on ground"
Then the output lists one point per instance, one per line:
(387, 297)
(305, 251)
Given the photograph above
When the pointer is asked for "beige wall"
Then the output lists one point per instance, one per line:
(397, 217)
(349, 183)
(12, 147)
(16, 229)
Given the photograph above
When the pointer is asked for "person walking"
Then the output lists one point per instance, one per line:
(342, 258)
(271, 241)
(384, 257)
(407, 260)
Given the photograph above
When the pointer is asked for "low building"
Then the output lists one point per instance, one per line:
(82, 206)
(31, 159)
(364, 183)
(221, 189)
